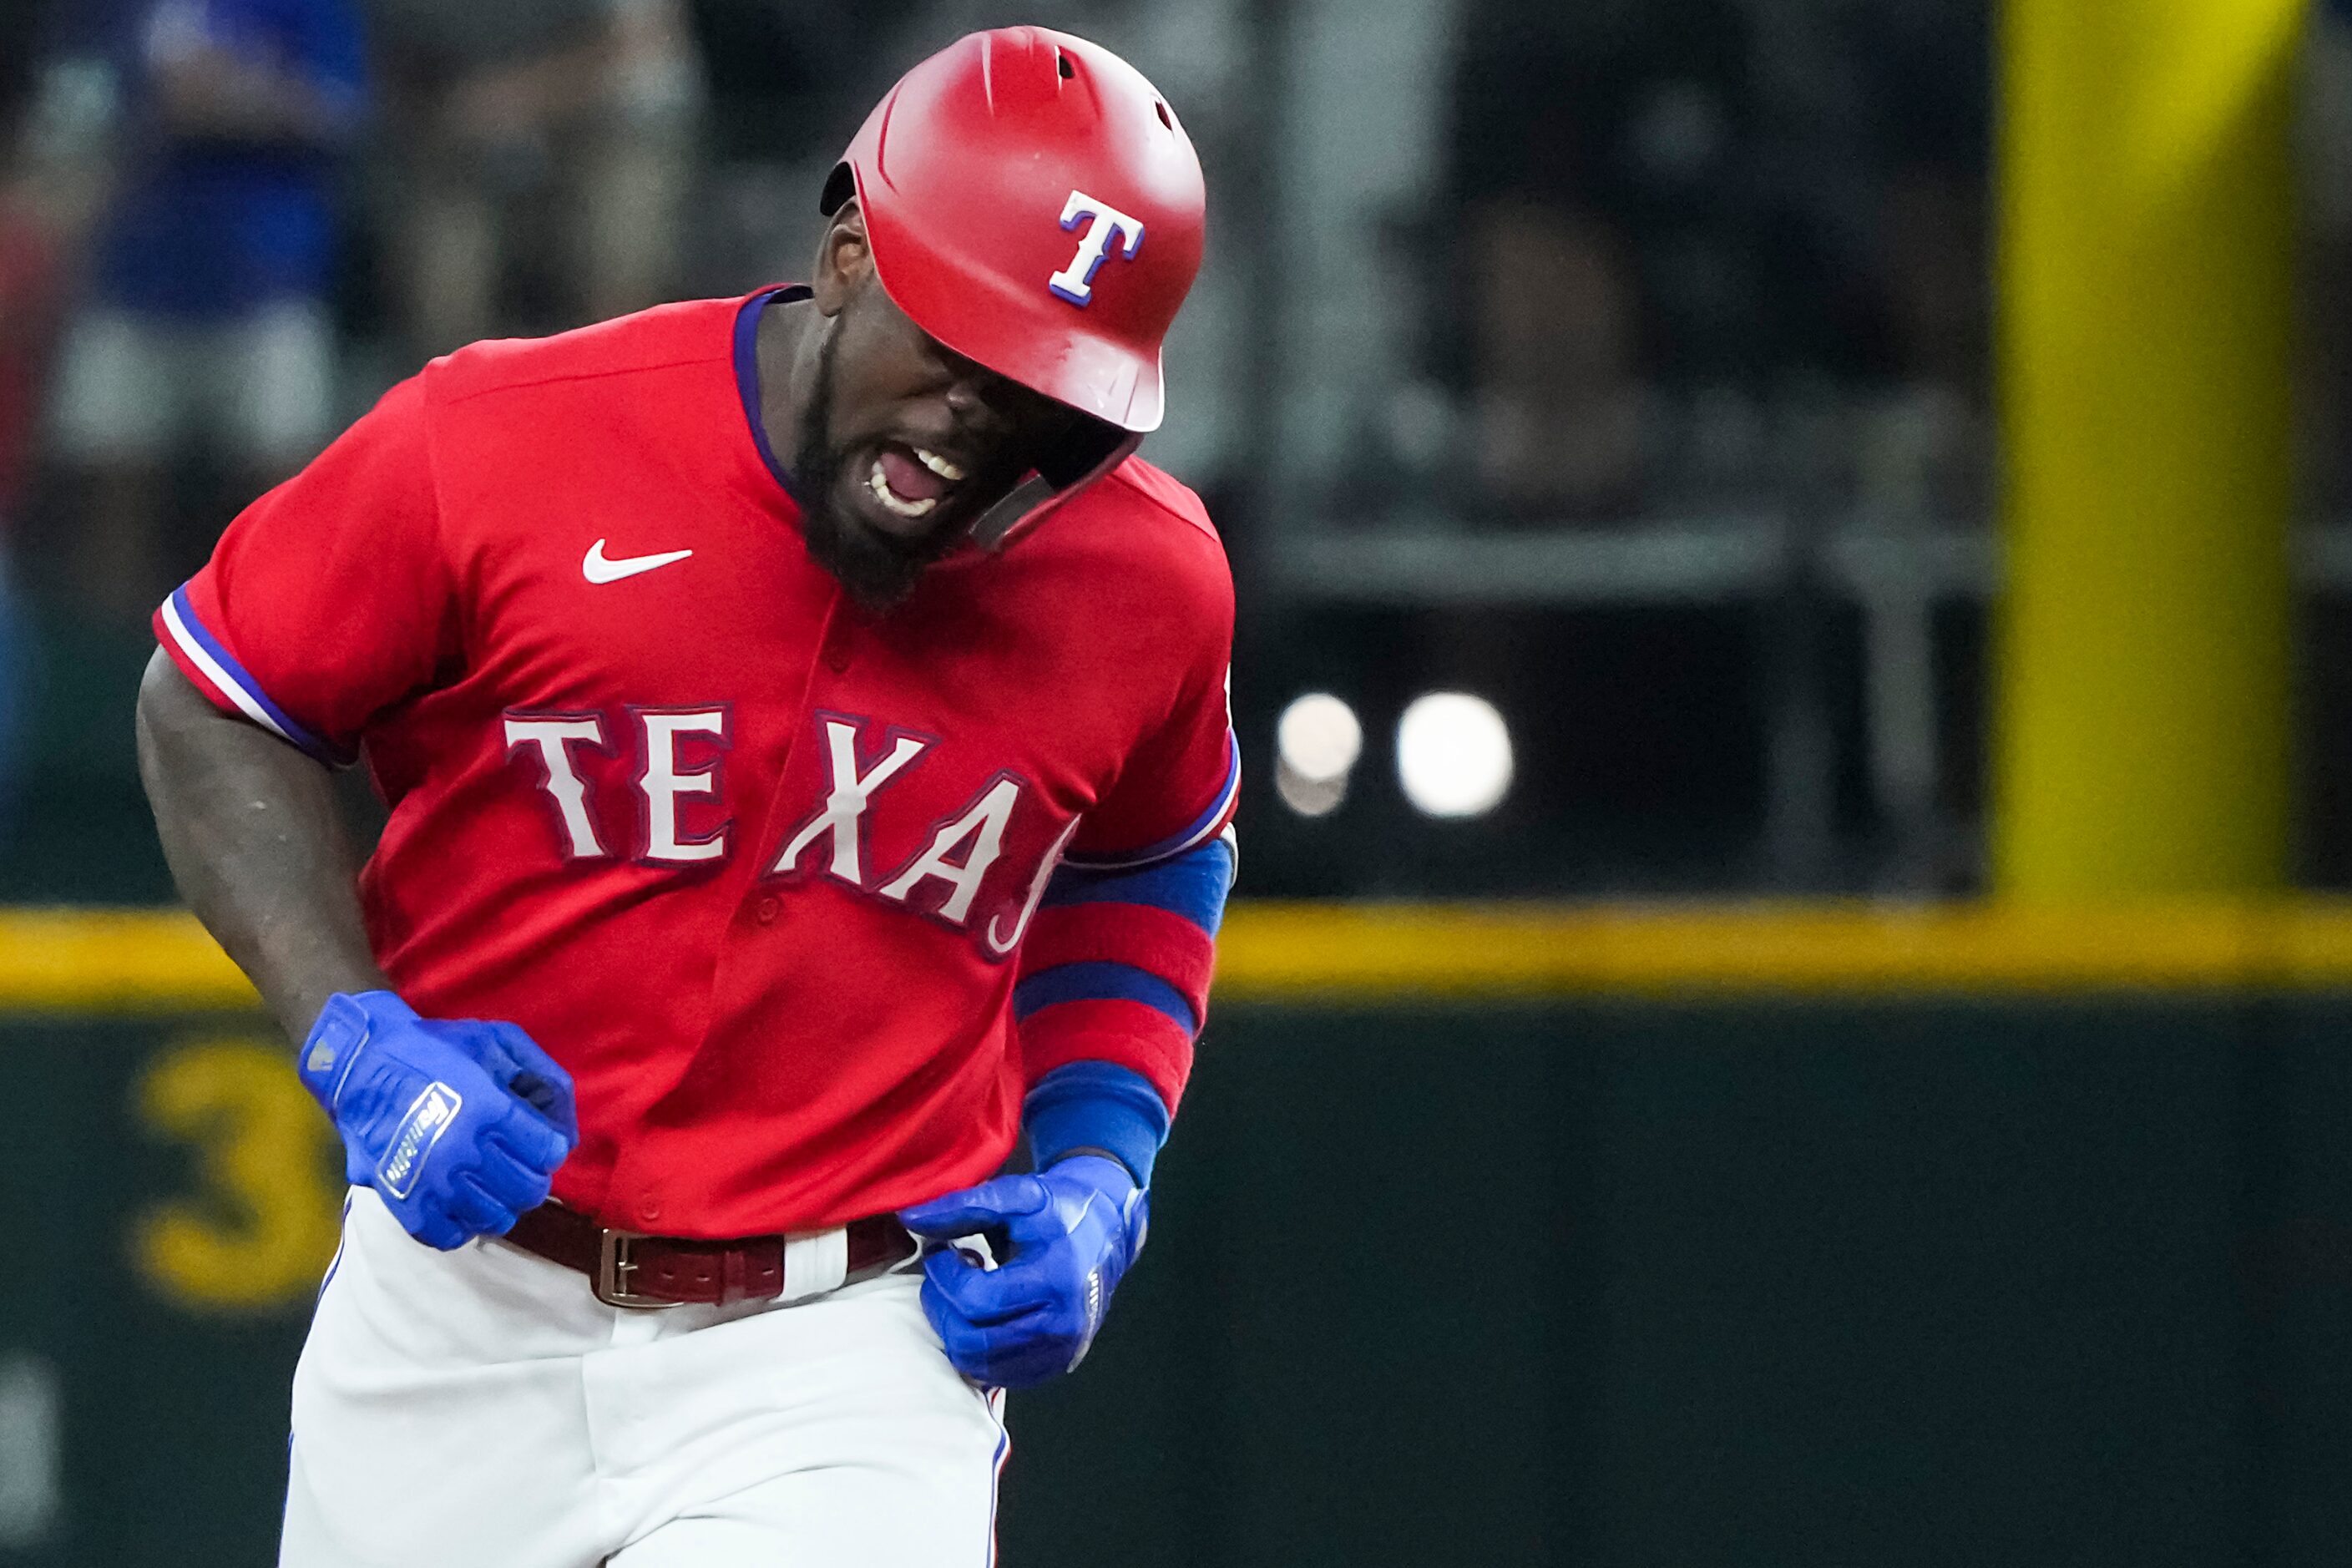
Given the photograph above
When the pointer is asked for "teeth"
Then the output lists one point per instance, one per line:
(890, 498)
(940, 465)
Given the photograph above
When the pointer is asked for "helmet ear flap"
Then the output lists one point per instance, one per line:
(1087, 453)
(1094, 449)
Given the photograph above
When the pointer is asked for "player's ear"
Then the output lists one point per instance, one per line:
(844, 262)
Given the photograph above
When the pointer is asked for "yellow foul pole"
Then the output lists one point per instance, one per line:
(2145, 297)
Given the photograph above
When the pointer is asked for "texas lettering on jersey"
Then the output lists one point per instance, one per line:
(751, 863)
(945, 878)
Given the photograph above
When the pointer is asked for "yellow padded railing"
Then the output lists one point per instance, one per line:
(151, 961)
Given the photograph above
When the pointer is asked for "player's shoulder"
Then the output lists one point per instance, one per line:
(1155, 520)
(1156, 490)
(695, 333)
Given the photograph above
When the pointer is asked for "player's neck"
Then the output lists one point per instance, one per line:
(789, 333)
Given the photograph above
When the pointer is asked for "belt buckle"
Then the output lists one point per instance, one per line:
(613, 1267)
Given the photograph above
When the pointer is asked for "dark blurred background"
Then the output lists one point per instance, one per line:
(1624, 366)
(1600, 403)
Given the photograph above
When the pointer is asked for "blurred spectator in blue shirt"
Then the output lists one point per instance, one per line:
(207, 312)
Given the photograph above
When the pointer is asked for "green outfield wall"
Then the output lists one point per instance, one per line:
(1720, 1250)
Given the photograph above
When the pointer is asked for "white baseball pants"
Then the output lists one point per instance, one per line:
(481, 1409)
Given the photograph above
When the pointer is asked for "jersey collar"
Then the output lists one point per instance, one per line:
(747, 373)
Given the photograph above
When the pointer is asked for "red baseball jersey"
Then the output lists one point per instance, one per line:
(751, 863)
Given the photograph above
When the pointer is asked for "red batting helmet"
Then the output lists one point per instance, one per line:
(1034, 204)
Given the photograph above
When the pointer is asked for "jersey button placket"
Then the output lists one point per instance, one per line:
(766, 912)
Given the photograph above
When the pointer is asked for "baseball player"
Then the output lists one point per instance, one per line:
(805, 726)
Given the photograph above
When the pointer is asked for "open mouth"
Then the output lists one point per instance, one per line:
(912, 482)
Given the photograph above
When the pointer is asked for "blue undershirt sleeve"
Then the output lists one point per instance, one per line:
(1096, 1105)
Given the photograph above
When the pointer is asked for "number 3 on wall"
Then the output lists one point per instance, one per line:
(263, 1226)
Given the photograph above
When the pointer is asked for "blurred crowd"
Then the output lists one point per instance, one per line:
(1674, 260)
(227, 225)
(188, 180)
(1719, 250)
(1673, 234)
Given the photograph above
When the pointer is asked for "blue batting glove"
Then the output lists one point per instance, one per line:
(459, 1125)
(1062, 1239)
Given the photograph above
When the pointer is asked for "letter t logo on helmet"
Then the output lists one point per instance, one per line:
(1106, 227)
(973, 173)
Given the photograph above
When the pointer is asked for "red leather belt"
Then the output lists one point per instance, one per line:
(626, 1269)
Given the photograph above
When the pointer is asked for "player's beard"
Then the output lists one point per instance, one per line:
(876, 570)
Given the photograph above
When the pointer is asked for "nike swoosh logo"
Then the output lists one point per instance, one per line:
(596, 569)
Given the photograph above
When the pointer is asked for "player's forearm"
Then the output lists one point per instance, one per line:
(258, 847)
(1115, 973)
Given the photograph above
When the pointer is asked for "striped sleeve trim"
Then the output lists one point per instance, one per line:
(1101, 982)
(1127, 1034)
(195, 648)
(1205, 826)
(1192, 886)
(1162, 943)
